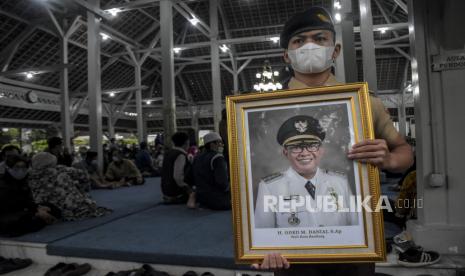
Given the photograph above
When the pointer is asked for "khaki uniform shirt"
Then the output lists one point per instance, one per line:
(383, 126)
(127, 169)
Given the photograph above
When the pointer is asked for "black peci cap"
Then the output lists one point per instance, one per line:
(299, 129)
(315, 18)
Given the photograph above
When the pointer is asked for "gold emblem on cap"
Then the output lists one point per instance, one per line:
(301, 126)
(323, 17)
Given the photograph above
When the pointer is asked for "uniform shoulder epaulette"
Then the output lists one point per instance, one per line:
(272, 177)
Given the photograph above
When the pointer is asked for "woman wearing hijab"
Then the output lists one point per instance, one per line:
(65, 187)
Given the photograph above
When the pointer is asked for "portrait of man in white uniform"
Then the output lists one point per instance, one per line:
(303, 183)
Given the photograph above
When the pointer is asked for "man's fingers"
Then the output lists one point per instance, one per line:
(369, 142)
(273, 263)
(266, 262)
(366, 155)
(279, 261)
(286, 264)
(368, 148)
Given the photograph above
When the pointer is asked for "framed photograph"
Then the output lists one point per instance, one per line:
(294, 191)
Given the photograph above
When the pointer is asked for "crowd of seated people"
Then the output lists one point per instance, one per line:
(54, 185)
(196, 177)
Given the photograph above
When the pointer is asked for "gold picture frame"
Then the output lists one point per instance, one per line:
(253, 120)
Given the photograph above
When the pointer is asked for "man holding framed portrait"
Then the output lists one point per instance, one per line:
(310, 48)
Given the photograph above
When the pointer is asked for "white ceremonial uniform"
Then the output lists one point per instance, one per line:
(291, 186)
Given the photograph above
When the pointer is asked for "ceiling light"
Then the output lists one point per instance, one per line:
(337, 5)
(275, 39)
(176, 50)
(112, 94)
(104, 36)
(267, 81)
(224, 48)
(29, 75)
(113, 12)
(338, 17)
(194, 20)
(148, 101)
(383, 30)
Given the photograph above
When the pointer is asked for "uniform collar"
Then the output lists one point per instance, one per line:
(296, 84)
(296, 176)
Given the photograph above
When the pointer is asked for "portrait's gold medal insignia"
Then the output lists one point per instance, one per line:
(293, 220)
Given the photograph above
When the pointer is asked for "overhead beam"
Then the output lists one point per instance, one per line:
(254, 39)
(401, 5)
(189, 16)
(114, 90)
(93, 9)
(189, 10)
(30, 85)
(138, 4)
(37, 70)
(9, 51)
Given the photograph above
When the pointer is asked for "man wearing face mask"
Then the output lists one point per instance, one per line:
(211, 175)
(308, 39)
(123, 172)
(18, 212)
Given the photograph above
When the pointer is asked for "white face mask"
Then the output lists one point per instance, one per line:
(220, 149)
(18, 174)
(311, 58)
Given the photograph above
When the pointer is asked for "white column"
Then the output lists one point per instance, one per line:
(215, 64)
(66, 127)
(140, 115)
(368, 45)
(94, 81)
(169, 104)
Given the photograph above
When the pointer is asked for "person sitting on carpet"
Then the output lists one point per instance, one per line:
(175, 166)
(55, 147)
(211, 175)
(144, 160)
(64, 187)
(19, 214)
(90, 166)
(6, 151)
(123, 171)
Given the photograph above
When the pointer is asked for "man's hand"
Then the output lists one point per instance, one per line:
(273, 261)
(375, 152)
(43, 212)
